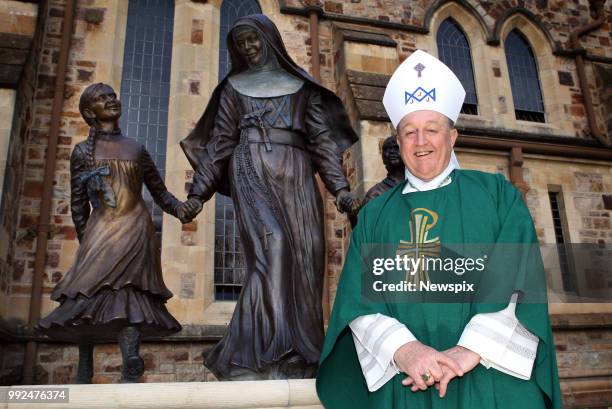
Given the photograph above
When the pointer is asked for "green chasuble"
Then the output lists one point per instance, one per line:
(476, 207)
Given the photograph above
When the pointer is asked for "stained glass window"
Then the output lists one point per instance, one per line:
(145, 83)
(454, 51)
(229, 260)
(523, 72)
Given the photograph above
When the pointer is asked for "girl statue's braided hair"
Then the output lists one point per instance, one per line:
(92, 177)
(87, 97)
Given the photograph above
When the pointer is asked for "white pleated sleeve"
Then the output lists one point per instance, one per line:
(376, 338)
(499, 338)
(501, 341)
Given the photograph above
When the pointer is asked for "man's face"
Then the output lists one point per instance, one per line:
(249, 46)
(426, 141)
(105, 106)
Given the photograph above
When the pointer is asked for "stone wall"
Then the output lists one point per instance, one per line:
(20, 125)
(17, 26)
(558, 17)
(7, 109)
(584, 358)
(96, 55)
(374, 46)
(546, 24)
(57, 363)
(586, 187)
(86, 65)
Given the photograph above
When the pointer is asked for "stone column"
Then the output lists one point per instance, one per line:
(188, 250)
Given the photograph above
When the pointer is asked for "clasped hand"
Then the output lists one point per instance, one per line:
(426, 367)
(346, 202)
(189, 209)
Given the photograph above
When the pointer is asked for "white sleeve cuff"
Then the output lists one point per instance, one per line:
(502, 343)
(376, 338)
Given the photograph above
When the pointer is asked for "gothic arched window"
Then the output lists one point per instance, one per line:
(524, 81)
(454, 51)
(229, 260)
(145, 82)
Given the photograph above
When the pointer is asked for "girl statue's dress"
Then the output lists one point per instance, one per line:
(116, 280)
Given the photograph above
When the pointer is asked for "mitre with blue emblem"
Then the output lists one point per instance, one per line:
(422, 82)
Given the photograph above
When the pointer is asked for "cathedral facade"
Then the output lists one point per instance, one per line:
(538, 110)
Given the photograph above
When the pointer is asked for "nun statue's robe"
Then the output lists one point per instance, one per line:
(264, 152)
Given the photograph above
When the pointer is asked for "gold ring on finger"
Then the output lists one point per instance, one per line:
(426, 376)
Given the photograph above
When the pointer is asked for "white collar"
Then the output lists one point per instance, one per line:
(418, 185)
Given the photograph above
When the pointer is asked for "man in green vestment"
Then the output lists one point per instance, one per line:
(465, 355)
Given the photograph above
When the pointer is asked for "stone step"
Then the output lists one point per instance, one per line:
(295, 393)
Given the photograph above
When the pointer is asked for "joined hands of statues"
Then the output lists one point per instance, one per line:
(189, 209)
(346, 202)
(416, 359)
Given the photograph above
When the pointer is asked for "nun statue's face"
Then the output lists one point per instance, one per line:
(250, 46)
(426, 141)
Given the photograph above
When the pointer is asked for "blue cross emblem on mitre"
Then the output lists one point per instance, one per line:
(422, 82)
(419, 95)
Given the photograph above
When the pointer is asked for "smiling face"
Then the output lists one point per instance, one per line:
(250, 45)
(426, 140)
(104, 106)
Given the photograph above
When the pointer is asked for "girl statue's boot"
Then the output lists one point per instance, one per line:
(85, 369)
(133, 365)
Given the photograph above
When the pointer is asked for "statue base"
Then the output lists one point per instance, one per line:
(294, 393)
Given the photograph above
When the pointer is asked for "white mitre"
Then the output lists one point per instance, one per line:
(422, 82)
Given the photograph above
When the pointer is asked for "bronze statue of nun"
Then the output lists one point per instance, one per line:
(268, 128)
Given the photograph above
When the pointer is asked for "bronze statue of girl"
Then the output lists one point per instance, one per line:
(115, 289)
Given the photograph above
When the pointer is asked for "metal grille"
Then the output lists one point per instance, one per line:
(454, 51)
(556, 208)
(523, 72)
(229, 260)
(145, 84)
